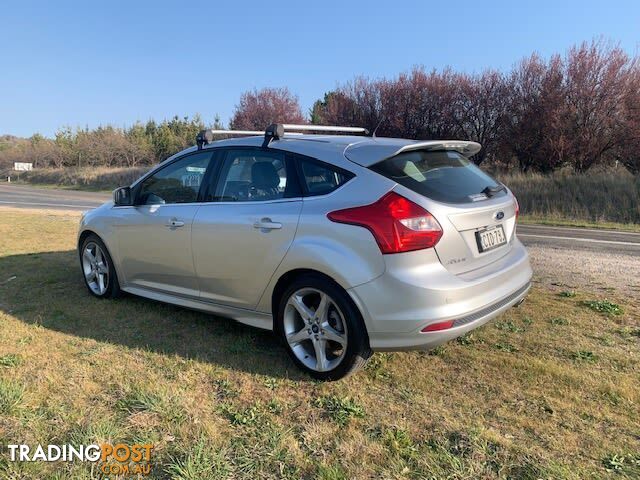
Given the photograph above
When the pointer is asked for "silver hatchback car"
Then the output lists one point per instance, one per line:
(341, 244)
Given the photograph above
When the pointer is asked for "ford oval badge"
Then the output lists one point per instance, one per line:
(499, 215)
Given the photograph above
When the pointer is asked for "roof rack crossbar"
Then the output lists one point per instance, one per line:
(324, 128)
(278, 130)
(275, 131)
(205, 137)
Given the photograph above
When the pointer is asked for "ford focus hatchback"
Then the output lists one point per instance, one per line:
(341, 244)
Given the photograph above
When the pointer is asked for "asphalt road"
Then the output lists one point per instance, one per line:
(21, 196)
(609, 241)
(605, 241)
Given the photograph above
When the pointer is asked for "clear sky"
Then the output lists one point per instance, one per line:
(90, 63)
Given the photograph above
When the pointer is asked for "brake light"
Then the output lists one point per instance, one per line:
(397, 224)
(517, 206)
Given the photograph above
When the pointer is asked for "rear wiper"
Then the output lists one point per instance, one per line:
(491, 191)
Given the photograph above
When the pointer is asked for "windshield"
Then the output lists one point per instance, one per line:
(444, 175)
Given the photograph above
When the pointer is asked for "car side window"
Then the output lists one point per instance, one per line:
(321, 178)
(178, 182)
(254, 175)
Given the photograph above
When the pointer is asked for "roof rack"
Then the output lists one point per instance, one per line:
(276, 131)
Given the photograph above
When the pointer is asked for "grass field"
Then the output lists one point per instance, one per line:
(549, 390)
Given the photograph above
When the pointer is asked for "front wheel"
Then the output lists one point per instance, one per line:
(97, 268)
(323, 330)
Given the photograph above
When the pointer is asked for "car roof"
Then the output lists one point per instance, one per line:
(365, 151)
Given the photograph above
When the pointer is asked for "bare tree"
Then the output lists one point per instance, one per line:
(533, 105)
(479, 106)
(260, 108)
(597, 81)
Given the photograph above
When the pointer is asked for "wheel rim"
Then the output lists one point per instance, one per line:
(315, 329)
(95, 268)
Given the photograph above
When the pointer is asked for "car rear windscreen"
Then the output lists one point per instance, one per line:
(442, 175)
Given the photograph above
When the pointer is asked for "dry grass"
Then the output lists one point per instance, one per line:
(598, 196)
(549, 390)
(86, 178)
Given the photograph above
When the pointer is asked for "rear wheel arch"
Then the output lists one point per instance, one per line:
(287, 278)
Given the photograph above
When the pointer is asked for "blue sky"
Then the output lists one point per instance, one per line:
(91, 63)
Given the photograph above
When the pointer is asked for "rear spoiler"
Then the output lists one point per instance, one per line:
(369, 153)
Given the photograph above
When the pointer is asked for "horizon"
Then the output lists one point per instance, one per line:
(72, 68)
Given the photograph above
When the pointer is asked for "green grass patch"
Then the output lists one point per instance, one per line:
(567, 294)
(340, 409)
(622, 464)
(466, 339)
(201, 462)
(584, 356)
(604, 306)
(505, 347)
(10, 360)
(245, 416)
(559, 321)
(11, 393)
(509, 326)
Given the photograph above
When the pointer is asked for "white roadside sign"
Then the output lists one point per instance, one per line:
(22, 166)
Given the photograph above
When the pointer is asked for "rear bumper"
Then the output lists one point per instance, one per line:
(411, 295)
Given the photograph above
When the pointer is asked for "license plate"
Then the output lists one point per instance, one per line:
(490, 238)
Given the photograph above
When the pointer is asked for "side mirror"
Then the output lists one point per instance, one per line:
(122, 197)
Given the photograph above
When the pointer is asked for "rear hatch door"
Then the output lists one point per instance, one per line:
(477, 213)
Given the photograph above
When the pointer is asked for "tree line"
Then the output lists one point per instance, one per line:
(108, 146)
(577, 110)
(580, 110)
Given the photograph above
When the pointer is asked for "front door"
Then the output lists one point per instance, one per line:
(240, 238)
(154, 236)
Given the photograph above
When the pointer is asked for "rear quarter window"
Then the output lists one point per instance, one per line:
(320, 178)
(444, 175)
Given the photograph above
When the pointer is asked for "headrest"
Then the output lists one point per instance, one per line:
(264, 175)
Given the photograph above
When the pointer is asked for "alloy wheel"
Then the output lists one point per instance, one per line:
(95, 268)
(315, 329)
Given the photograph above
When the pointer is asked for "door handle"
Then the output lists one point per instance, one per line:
(175, 223)
(267, 224)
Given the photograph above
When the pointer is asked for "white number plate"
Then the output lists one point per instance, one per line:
(490, 238)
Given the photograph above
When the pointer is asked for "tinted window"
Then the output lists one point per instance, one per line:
(321, 178)
(445, 176)
(178, 182)
(254, 176)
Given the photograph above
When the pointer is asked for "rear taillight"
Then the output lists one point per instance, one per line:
(397, 224)
(517, 206)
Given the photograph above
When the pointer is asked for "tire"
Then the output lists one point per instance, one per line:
(337, 331)
(97, 268)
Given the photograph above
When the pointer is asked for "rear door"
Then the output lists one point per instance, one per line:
(243, 233)
(477, 214)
